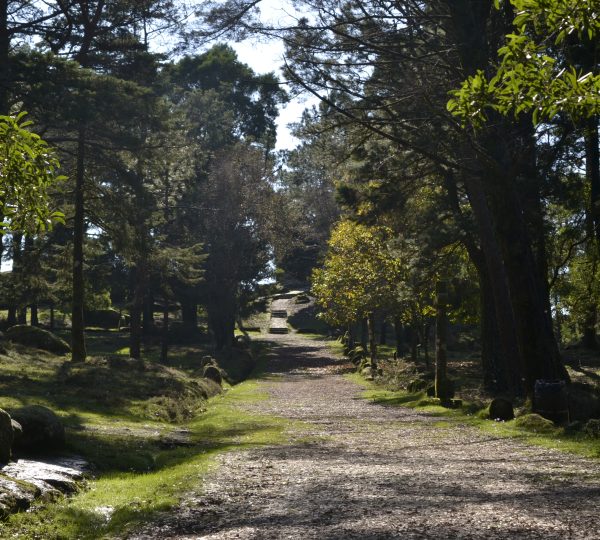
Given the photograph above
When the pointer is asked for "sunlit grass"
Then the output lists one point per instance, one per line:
(119, 501)
(558, 440)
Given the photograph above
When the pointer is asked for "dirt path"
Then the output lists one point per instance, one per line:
(364, 471)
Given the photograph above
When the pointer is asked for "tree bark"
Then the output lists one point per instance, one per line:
(148, 321)
(399, 331)
(135, 314)
(441, 337)
(164, 345)
(372, 338)
(78, 348)
(4, 58)
(189, 314)
(34, 315)
(592, 172)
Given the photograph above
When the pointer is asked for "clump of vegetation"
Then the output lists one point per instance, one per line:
(535, 423)
(592, 428)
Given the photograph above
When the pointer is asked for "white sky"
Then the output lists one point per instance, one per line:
(266, 57)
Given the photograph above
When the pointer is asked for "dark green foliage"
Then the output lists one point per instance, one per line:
(104, 318)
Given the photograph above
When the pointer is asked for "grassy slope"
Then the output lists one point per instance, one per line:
(117, 416)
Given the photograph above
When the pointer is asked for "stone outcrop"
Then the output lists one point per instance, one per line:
(38, 338)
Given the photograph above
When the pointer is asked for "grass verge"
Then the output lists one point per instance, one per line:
(118, 501)
(471, 414)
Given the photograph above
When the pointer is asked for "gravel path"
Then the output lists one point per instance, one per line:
(364, 471)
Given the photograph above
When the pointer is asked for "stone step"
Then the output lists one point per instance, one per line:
(278, 330)
(279, 313)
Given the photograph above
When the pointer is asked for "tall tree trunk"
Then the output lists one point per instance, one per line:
(399, 332)
(537, 344)
(164, 344)
(11, 317)
(4, 58)
(495, 364)
(34, 315)
(383, 332)
(364, 334)
(372, 338)
(78, 348)
(441, 337)
(498, 280)
(135, 314)
(22, 315)
(148, 321)
(592, 172)
(590, 302)
(351, 337)
(189, 314)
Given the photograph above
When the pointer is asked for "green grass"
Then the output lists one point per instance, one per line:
(468, 414)
(118, 501)
(123, 416)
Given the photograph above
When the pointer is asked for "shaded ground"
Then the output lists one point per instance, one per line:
(361, 470)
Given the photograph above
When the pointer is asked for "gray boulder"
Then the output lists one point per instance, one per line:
(17, 430)
(42, 429)
(38, 338)
(6, 436)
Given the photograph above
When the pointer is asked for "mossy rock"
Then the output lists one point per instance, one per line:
(368, 373)
(535, 423)
(208, 361)
(6, 436)
(38, 338)
(302, 299)
(16, 495)
(42, 429)
(364, 364)
(592, 428)
(584, 401)
(213, 373)
(242, 342)
(236, 364)
(417, 385)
